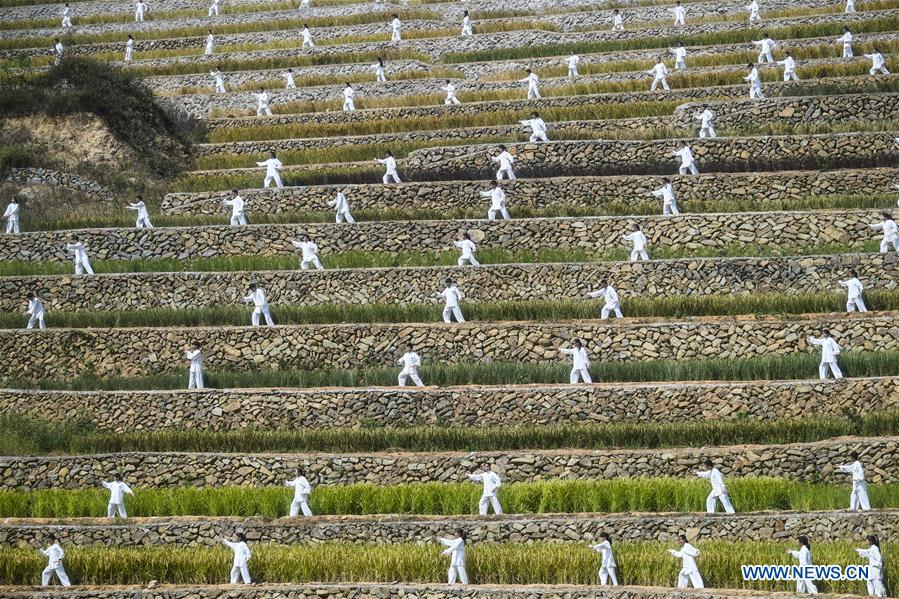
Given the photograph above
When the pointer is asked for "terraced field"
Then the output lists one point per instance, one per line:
(711, 361)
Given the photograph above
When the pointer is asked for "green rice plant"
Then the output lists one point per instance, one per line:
(639, 563)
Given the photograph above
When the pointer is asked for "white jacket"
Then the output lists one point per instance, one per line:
(497, 197)
(117, 490)
(196, 359)
(706, 118)
(659, 71)
(532, 80)
(686, 156)
(12, 211)
(301, 488)
(141, 209)
(452, 295)
(456, 549)
(573, 61)
(765, 45)
(854, 286)
(257, 298)
(236, 204)
(491, 481)
(889, 228)
(309, 249)
(272, 166)
(579, 358)
(789, 64)
(55, 554)
(35, 307)
(505, 160)
(609, 293)
(638, 239)
(410, 362)
(666, 193)
(241, 551)
(339, 203)
(803, 555)
(608, 556)
(855, 469)
(537, 125)
(829, 348)
(716, 478)
(467, 246)
(687, 554)
(875, 559)
(389, 163)
(78, 250)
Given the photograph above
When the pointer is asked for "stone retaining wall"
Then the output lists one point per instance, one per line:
(269, 409)
(124, 352)
(43, 176)
(814, 462)
(834, 526)
(583, 192)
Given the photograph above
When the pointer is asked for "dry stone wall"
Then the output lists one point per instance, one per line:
(43, 176)
(270, 409)
(815, 462)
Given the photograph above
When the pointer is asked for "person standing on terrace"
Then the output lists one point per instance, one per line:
(210, 44)
(890, 233)
(455, 548)
(390, 173)
(450, 90)
(307, 37)
(706, 124)
(830, 349)
(466, 24)
(380, 77)
(396, 28)
(505, 161)
(573, 61)
(680, 13)
(580, 362)
(533, 84)
(617, 21)
(349, 95)
(660, 76)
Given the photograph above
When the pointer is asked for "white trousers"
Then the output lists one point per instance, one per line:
(471, 260)
(712, 500)
(659, 80)
(884, 245)
(604, 313)
(489, 500)
(12, 226)
(882, 70)
(508, 171)
(834, 368)
(765, 57)
(83, 267)
(298, 505)
(239, 219)
(572, 72)
(491, 214)
(213, 10)
(262, 312)
(457, 570)
(685, 579)
(380, 78)
(806, 586)
(680, 65)
(243, 572)
(345, 215)
(304, 264)
(60, 573)
(533, 93)
(388, 176)
(143, 223)
(401, 379)
(66, 22)
(639, 254)
(195, 379)
(111, 509)
(36, 319)
(139, 16)
(691, 168)
(263, 110)
(308, 44)
(856, 304)
(790, 75)
(581, 373)
(452, 100)
(449, 311)
(707, 132)
(219, 88)
(858, 499)
(540, 136)
(670, 208)
(875, 585)
(349, 105)
(755, 92)
(276, 177)
(607, 572)
(847, 51)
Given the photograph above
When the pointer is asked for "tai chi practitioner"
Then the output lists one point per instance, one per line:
(307, 37)
(379, 71)
(875, 567)
(846, 40)
(11, 216)
(497, 201)
(304, 4)
(719, 489)
(533, 84)
(35, 311)
(389, 163)
(706, 124)
(829, 352)
(538, 127)
(238, 214)
(505, 161)
(492, 483)
(117, 491)
(680, 14)
(755, 83)
(858, 499)
(214, 8)
(219, 80)
(888, 226)
(396, 28)
(766, 45)
(242, 556)
(666, 192)
(410, 363)
(659, 76)
(262, 103)
(877, 62)
(341, 208)
(689, 572)
(58, 51)
(612, 302)
(256, 296)
(608, 565)
(573, 61)
(129, 49)
(349, 96)
(638, 239)
(580, 362)
(309, 251)
(195, 373)
(452, 296)
(273, 168)
(468, 249)
(455, 548)
(301, 492)
(140, 11)
(466, 24)
(143, 216)
(850, 7)
(687, 162)
(680, 56)
(210, 44)
(753, 9)
(450, 90)
(54, 554)
(854, 290)
(289, 83)
(617, 21)
(82, 262)
(789, 66)
(66, 16)
(804, 556)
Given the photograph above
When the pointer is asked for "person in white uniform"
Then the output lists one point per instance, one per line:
(719, 489)
(214, 8)
(309, 250)
(858, 499)
(341, 208)
(659, 76)
(468, 249)
(257, 297)
(289, 82)
(580, 362)
(262, 107)
(789, 66)
(54, 554)
(143, 216)
(846, 41)
(538, 127)
(349, 98)
(396, 30)
(754, 12)
(452, 297)
(195, 375)
(638, 239)
(505, 161)
(242, 557)
(706, 124)
(450, 90)
(878, 64)
(492, 483)
(301, 492)
(129, 49)
(307, 37)
(680, 56)
(766, 45)
(804, 556)
(890, 232)
(273, 168)
(854, 289)
(82, 262)
(140, 11)
(210, 43)
(689, 572)
(455, 548)
(35, 311)
(11, 216)
(219, 79)
(466, 24)
(117, 491)
(238, 212)
(58, 50)
(687, 162)
(66, 16)
(617, 21)
(830, 349)
(612, 302)
(497, 201)
(380, 77)
(755, 83)
(410, 363)
(608, 565)
(573, 61)
(680, 14)
(533, 84)
(669, 202)
(875, 567)
(850, 7)
(389, 163)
